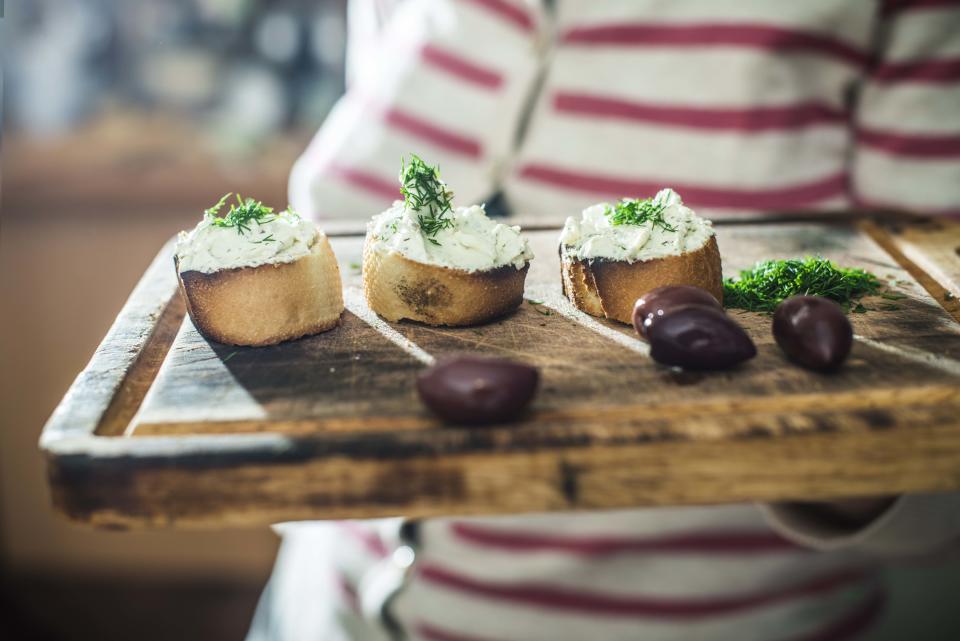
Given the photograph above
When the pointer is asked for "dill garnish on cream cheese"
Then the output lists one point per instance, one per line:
(425, 227)
(249, 234)
(636, 230)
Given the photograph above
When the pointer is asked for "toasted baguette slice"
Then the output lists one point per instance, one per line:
(267, 304)
(398, 288)
(609, 288)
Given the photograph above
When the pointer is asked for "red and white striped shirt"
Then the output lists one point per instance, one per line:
(742, 572)
(737, 104)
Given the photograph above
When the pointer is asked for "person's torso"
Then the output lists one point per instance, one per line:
(669, 573)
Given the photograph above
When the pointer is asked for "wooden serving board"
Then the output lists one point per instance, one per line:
(164, 427)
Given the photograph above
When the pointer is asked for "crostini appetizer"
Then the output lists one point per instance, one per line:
(256, 277)
(428, 261)
(613, 254)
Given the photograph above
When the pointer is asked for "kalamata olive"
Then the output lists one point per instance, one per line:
(654, 304)
(699, 337)
(813, 331)
(477, 390)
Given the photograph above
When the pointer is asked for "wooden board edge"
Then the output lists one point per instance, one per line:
(139, 378)
(940, 292)
(116, 494)
(151, 308)
(935, 248)
(264, 478)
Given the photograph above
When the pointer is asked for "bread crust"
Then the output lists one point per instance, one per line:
(398, 288)
(267, 304)
(610, 288)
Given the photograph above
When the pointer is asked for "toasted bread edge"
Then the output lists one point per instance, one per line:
(268, 304)
(609, 289)
(397, 288)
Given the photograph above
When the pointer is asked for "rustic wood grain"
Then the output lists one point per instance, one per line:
(354, 372)
(311, 483)
(330, 427)
(930, 251)
(110, 388)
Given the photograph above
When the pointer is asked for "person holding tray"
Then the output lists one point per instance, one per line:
(763, 106)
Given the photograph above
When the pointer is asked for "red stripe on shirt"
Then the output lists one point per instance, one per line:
(548, 596)
(748, 120)
(364, 535)
(732, 542)
(932, 71)
(431, 134)
(715, 35)
(849, 626)
(913, 145)
(696, 195)
(460, 67)
(370, 183)
(348, 592)
(507, 11)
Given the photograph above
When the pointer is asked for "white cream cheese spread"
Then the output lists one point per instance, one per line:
(669, 229)
(470, 242)
(274, 238)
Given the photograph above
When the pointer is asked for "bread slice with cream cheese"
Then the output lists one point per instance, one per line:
(257, 278)
(614, 254)
(425, 260)
(399, 288)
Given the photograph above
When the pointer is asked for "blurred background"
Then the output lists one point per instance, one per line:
(122, 120)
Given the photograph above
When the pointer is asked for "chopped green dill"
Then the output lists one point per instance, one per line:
(213, 211)
(632, 211)
(266, 239)
(892, 296)
(241, 215)
(356, 267)
(424, 193)
(230, 355)
(763, 287)
(858, 309)
(534, 302)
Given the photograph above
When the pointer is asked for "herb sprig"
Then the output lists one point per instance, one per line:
(426, 194)
(633, 211)
(763, 287)
(242, 215)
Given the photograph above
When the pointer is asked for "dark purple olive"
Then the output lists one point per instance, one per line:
(477, 390)
(654, 304)
(699, 337)
(813, 331)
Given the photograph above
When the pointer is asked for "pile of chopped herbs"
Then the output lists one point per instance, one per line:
(763, 287)
(424, 193)
(633, 211)
(241, 215)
